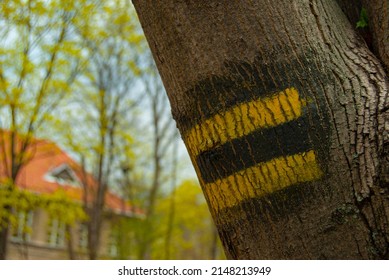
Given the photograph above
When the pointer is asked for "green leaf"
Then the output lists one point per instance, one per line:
(363, 19)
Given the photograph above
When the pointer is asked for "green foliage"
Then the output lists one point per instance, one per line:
(128, 233)
(363, 19)
(99, 114)
(60, 206)
(192, 227)
(40, 60)
(191, 230)
(57, 205)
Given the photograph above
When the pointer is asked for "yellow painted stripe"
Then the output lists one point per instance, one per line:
(243, 119)
(263, 179)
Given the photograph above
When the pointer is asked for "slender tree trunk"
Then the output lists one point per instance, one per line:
(70, 242)
(13, 172)
(98, 202)
(283, 109)
(162, 139)
(3, 242)
(96, 213)
(172, 205)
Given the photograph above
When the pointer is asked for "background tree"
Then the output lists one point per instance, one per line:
(163, 135)
(102, 109)
(191, 232)
(39, 62)
(284, 111)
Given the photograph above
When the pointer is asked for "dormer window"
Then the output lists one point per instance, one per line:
(63, 175)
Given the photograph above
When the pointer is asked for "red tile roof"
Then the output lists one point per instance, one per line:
(44, 157)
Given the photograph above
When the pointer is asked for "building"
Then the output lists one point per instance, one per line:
(50, 172)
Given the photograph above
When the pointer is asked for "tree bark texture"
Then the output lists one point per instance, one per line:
(284, 112)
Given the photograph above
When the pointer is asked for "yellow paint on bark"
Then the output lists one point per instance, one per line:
(262, 179)
(245, 118)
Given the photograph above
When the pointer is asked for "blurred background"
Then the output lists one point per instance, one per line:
(91, 163)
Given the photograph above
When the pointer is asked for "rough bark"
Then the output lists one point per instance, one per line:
(376, 34)
(283, 109)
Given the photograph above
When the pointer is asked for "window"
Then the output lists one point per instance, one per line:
(83, 236)
(113, 243)
(63, 175)
(22, 230)
(56, 233)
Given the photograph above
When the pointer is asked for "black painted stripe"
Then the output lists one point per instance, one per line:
(243, 82)
(260, 146)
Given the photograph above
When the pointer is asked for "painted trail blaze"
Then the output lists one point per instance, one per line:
(262, 143)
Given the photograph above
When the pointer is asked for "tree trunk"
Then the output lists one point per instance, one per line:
(282, 108)
(70, 242)
(3, 242)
